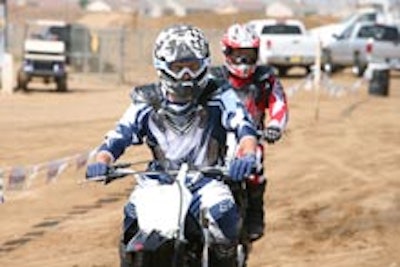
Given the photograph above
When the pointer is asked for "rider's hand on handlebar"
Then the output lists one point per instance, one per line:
(96, 169)
(241, 168)
(272, 134)
(163, 177)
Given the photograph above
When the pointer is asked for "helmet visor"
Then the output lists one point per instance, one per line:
(246, 56)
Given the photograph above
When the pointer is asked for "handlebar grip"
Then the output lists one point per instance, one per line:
(113, 172)
(121, 165)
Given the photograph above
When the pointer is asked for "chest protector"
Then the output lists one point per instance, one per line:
(207, 151)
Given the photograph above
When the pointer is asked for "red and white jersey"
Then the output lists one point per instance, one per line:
(261, 91)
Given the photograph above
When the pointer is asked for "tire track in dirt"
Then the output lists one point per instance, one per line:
(40, 229)
(337, 223)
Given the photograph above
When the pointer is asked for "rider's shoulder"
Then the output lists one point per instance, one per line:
(216, 87)
(264, 72)
(148, 93)
(218, 72)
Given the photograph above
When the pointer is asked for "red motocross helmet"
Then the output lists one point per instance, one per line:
(240, 46)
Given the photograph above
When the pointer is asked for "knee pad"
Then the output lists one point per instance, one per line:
(227, 221)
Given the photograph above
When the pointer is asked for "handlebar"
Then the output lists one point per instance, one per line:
(121, 170)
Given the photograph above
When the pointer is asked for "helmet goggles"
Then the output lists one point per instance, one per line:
(192, 67)
(247, 56)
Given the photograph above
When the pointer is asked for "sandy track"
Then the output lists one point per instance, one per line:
(333, 197)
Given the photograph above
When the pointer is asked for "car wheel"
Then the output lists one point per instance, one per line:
(282, 71)
(61, 84)
(358, 67)
(327, 63)
(22, 80)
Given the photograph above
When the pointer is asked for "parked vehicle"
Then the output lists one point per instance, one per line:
(285, 44)
(327, 33)
(362, 44)
(50, 46)
(44, 55)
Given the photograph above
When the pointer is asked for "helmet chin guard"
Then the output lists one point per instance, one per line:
(185, 90)
(242, 70)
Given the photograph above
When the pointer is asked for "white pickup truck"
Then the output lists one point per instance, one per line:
(363, 43)
(285, 44)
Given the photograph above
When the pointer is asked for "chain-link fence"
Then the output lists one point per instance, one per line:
(119, 55)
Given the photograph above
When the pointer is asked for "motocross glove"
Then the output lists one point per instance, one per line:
(165, 178)
(272, 134)
(162, 177)
(241, 168)
(96, 169)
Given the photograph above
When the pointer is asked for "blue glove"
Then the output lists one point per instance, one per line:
(163, 178)
(241, 168)
(96, 169)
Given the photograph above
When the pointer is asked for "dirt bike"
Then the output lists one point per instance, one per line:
(167, 235)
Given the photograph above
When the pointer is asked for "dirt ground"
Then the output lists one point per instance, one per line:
(333, 197)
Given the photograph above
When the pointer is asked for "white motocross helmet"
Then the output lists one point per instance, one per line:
(240, 46)
(181, 57)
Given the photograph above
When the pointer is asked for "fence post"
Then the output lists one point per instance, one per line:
(7, 74)
(86, 53)
(101, 33)
(317, 78)
(121, 78)
(1, 187)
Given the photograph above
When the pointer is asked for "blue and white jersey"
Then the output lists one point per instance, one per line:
(203, 144)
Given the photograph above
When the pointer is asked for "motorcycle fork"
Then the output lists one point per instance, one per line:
(206, 234)
(240, 194)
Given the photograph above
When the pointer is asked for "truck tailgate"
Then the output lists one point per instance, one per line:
(292, 48)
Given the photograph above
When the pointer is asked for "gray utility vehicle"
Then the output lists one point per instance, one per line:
(44, 54)
(361, 44)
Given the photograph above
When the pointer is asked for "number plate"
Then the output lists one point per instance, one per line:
(295, 59)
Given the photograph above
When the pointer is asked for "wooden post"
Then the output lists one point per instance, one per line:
(7, 74)
(317, 78)
(6, 59)
(1, 187)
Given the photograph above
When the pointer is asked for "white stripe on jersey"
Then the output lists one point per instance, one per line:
(177, 147)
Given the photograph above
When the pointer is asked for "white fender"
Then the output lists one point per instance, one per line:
(162, 207)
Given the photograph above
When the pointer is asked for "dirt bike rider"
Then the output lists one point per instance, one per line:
(184, 118)
(259, 89)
